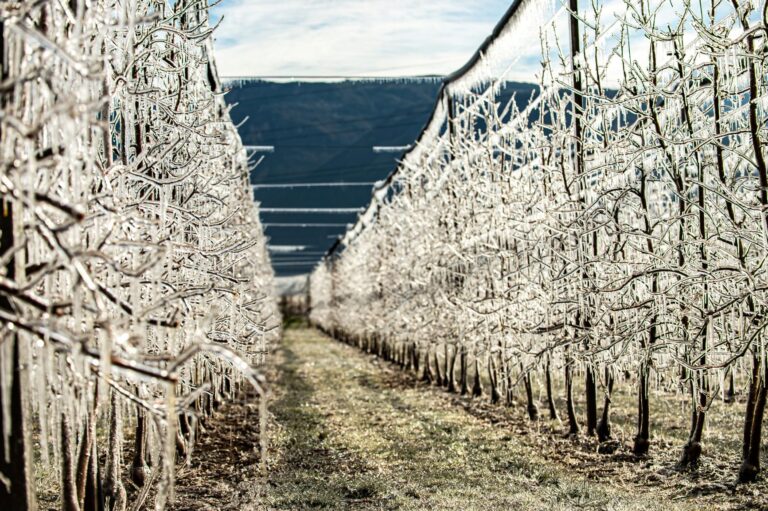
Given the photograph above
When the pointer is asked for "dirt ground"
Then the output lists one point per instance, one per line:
(225, 468)
(348, 431)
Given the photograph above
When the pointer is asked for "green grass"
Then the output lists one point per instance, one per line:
(351, 433)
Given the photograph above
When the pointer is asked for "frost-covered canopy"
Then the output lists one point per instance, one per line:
(616, 221)
(136, 285)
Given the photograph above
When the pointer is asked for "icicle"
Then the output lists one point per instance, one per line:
(6, 380)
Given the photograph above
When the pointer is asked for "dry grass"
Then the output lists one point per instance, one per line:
(225, 464)
(711, 483)
(351, 432)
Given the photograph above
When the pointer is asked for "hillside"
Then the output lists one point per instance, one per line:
(324, 132)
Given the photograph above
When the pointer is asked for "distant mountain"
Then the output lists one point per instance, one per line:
(325, 132)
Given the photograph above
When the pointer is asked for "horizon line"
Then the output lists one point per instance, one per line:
(329, 77)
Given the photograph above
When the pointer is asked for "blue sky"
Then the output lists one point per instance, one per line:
(351, 37)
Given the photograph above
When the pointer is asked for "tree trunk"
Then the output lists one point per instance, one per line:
(93, 500)
(508, 385)
(114, 491)
(553, 415)
(591, 391)
(573, 423)
(477, 386)
(17, 468)
(68, 485)
(86, 447)
(754, 389)
(463, 369)
(493, 376)
(730, 392)
(692, 449)
(604, 427)
(533, 410)
(446, 367)
(427, 376)
(439, 380)
(139, 465)
(181, 443)
(642, 442)
(750, 466)
(452, 371)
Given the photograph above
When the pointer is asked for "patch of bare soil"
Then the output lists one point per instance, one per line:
(225, 465)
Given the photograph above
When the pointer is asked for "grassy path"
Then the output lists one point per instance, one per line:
(350, 433)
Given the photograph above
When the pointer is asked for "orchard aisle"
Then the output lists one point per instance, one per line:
(350, 432)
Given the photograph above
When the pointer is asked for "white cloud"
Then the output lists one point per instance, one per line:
(400, 37)
(351, 37)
